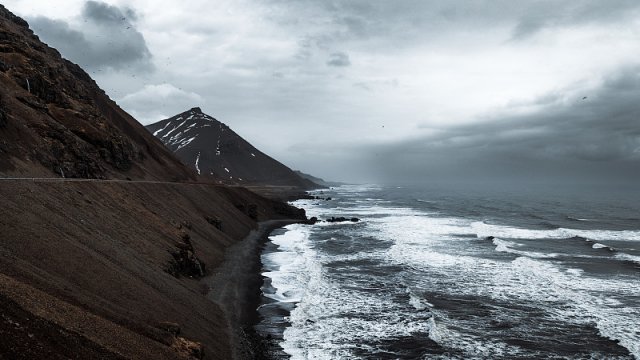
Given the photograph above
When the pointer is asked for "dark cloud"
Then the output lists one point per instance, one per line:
(338, 59)
(409, 21)
(582, 137)
(107, 14)
(107, 39)
(540, 15)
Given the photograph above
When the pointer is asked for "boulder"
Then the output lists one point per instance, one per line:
(342, 219)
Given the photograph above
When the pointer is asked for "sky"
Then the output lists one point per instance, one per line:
(371, 90)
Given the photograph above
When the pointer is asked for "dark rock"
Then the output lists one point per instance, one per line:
(184, 261)
(172, 328)
(186, 238)
(490, 238)
(289, 211)
(13, 18)
(4, 67)
(342, 219)
(186, 224)
(312, 220)
(241, 207)
(216, 222)
(253, 211)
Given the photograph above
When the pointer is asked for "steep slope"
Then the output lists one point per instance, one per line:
(56, 122)
(93, 269)
(84, 267)
(212, 148)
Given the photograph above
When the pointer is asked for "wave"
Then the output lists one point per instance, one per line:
(627, 257)
(602, 246)
(508, 247)
(611, 318)
(287, 263)
(484, 230)
(571, 218)
(418, 302)
(332, 316)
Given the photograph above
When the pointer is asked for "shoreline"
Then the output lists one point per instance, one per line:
(235, 287)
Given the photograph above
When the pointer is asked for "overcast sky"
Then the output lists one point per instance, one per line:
(369, 90)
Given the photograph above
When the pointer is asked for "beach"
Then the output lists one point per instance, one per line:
(235, 288)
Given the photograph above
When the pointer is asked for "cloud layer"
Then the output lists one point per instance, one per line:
(369, 90)
(580, 136)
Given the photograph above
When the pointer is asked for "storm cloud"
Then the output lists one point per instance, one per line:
(107, 38)
(592, 135)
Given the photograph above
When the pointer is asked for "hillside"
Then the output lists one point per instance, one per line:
(116, 265)
(56, 122)
(213, 149)
(85, 267)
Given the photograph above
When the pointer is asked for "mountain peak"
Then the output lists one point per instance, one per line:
(213, 149)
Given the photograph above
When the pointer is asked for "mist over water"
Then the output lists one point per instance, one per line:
(457, 274)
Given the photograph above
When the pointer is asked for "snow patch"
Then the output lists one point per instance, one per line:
(184, 143)
(197, 161)
(174, 129)
(156, 133)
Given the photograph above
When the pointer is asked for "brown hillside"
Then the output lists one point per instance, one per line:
(88, 261)
(55, 121)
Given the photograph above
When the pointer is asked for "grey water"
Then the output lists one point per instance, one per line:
(433, 273)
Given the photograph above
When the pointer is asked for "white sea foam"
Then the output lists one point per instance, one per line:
(483, 230)
(628, 257)
(575, 272)
(419, 243)
(508, 247)
(291, 262)
(330, 320)
(418, 303)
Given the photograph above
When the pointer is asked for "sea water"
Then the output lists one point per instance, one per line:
(438, 274)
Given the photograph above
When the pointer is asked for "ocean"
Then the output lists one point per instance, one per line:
(456, 274)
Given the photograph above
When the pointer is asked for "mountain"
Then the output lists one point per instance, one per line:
(94, 269)
(56, 122)
(212, 148)
(317, 180)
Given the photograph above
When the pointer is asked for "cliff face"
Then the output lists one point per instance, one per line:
(56, 122)
(213, 149)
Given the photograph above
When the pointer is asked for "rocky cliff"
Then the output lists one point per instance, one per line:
(56, 122)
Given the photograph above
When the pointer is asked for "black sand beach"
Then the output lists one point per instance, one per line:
(235, 287)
